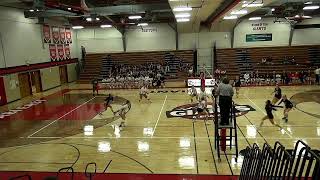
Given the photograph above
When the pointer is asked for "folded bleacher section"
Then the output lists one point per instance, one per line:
(236, 61)
(243, 61)
(314, 56)
(99, 65)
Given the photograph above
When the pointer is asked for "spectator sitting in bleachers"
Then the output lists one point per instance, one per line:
(264, 60)
(269, 60)
(293, 61)
(286, 60)
(246, 77)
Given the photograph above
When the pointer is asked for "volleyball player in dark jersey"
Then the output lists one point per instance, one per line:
(237, 85)
(269, 108)
(277, 94)
(107, 103)
(288, 106)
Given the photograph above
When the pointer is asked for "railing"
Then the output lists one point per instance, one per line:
(279, 163)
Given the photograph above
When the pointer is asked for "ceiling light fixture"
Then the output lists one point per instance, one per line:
(97, 19)
(106, 26)
(69, 8)
(31, 10)
(273, 9)
(239, 12)
(179, 9)
(254, 18)
(183, 15)
(135, 17)
(230, 17)
(77, 27)
(309, 2)
(183, 20)
(310, 7)
(253, 5)
(143, 24)
(89, 19)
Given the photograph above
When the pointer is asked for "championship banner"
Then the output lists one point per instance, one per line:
(53, 52)
(68, 36)
(55, 35)
(62, 35)
(46, 33)
(60, 52)
(67, 51)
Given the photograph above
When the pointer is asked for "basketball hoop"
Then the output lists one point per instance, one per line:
(84, 5)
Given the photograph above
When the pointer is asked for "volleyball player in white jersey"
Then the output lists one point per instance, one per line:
(144, 93)
(202, 109)
(193, 93)
(122, 113)
(203, 95)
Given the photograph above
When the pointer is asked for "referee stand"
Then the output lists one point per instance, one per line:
(221, 135)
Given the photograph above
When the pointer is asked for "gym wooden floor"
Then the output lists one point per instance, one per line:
(57, 132)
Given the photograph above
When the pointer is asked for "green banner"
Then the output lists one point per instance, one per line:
(258, 37)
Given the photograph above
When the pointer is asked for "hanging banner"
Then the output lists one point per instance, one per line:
(60, 52)
(3, 97)
(67, 51)
(55, 35)
(53, 52)
(68, 36)
(62, 35)
(46, 33)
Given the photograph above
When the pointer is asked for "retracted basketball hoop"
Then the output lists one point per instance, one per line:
(84, 5)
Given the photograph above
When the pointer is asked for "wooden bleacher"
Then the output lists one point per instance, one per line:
(92, 68)
(226, 61)
(93, 64)
(305, 57)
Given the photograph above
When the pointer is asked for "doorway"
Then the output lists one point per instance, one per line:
(36, 81)
(63, 74)
(25, 84)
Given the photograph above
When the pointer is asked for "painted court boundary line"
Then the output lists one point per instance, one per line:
(155, 126)
(60, 117)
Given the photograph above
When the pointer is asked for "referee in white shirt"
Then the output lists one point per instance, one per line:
(225, 93)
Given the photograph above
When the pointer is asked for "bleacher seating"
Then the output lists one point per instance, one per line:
(314, 56)
(240, 60)
(98, 65)
(226, 60)
(92, 68)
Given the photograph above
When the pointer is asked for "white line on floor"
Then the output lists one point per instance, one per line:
(255, 104)
(266, 114)
(60, 117)
(155, 126)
